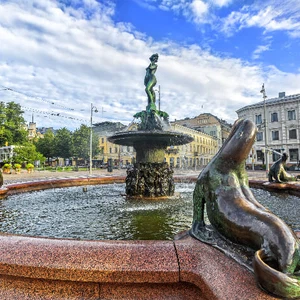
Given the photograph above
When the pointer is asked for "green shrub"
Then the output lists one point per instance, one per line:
(29, 166)
(6, 166)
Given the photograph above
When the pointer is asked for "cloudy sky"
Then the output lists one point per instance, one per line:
(58, 57)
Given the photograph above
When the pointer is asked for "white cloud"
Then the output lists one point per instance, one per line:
(199, 9)
(260, 49)
(220, 3)
(60, 59)
(270, 15)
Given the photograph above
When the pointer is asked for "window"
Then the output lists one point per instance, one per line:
(116, 149)
(258, 119)
(259, 155)
(275, 135)
(274, 117)
(293, 134)
(102, 140)
(291, 115)
(110, 150)
(294, 155)
(259, 136)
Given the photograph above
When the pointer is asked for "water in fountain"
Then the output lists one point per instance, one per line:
(103, 213)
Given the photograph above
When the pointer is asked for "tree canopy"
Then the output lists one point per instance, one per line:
(12, 124)
(45, 145)
(27, 153)
(63, 143)
(81, 142)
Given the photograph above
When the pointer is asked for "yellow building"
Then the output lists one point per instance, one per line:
(195, 154)
(120, 155)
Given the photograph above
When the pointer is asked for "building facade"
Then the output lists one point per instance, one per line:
(195, 154)
(208, 124)
(121, 155)
(278, 124)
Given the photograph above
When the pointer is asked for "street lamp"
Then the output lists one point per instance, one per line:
(263, 91)
(158, 90)
(93, 109)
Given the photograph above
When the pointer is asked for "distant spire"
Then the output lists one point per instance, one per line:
(32, 118)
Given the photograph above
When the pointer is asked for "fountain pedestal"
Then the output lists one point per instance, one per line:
(151, 176)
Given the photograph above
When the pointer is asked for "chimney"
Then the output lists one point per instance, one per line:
(281, 95)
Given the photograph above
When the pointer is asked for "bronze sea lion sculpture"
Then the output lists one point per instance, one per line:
(234, 212)
(278, 173)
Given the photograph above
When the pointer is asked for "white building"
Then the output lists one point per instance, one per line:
(6, 153)
(283, 124)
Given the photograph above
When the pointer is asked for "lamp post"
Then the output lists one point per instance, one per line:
(93, 109)
(263, 91)
(158, 90)
(159, 97)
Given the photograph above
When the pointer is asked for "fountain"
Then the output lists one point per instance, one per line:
(151, 176)
(184, 268)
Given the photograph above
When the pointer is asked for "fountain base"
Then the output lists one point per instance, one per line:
(150, 180)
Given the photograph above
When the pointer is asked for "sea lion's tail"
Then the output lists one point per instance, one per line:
(274, 281)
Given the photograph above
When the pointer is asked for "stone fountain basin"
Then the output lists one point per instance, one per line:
(161, 138)
(46, 268)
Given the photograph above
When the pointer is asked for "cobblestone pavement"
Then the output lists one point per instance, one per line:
(42, 175)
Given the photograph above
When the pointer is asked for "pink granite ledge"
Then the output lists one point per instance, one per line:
(218, 276)
(89, 261)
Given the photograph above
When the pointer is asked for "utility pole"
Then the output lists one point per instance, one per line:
(93, 109)
(263, 91)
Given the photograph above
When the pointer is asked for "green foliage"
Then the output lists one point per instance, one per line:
(12, 124)
(17, 166)
(6, 166)
(27, 153)
(63, 144)
(81, 143)
(45, 145)
(29, 166)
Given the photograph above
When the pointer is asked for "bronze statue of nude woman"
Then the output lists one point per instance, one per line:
(150, 81)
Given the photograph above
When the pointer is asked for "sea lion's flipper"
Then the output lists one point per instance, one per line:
(276, 282)
(199, 230)
(199, 201)
(203, 233)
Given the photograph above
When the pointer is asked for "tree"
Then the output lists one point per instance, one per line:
(45, 145)
(27, 153)
(63, 143)
(12, 124)
(81, 142)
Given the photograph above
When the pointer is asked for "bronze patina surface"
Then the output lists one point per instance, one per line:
(150, 82)
(278, 173)
(235, 213)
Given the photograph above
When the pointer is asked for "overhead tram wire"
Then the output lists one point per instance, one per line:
(5, 88)
(52, 102)
(44, 113)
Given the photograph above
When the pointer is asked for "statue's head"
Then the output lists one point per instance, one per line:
(154, 57)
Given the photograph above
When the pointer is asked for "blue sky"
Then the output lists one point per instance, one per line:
(58, 57)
